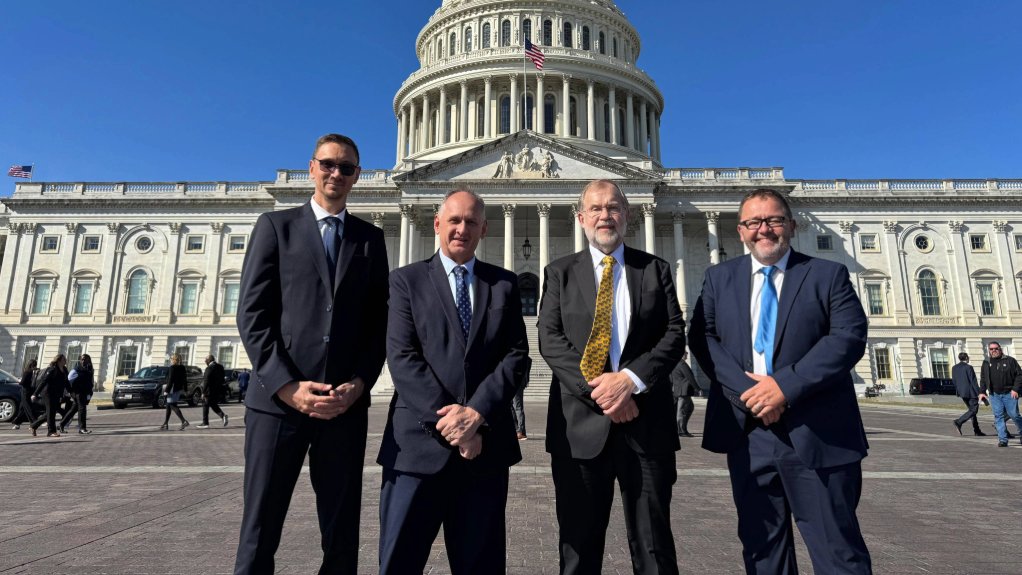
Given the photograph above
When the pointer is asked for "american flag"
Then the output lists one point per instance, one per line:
(533, 53)
(20, 171)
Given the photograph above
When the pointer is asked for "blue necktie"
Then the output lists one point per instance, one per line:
(464, 304)
(767, 319)
(332, 241)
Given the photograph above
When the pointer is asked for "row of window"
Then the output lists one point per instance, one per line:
(940, 362)
(137, 300)
(871, 243)
(128, 356)
(193, 244)
(546, 38)
(928, 292)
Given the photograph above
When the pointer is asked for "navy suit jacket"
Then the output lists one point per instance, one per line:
(576, 426)
(820, 336)
(964, 377)
(299, 324)
(432, 365)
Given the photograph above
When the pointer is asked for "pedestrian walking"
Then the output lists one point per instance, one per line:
(1002, 377)
(25, 410)
(966, 387)
(213, 385)
(518, 403)
(683, 384)
(52, 383)
(177, 380)
(80, 381)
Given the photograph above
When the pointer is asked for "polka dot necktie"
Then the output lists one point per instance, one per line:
(767, 320)
(332, 241)
(464, 304)
(598, 347)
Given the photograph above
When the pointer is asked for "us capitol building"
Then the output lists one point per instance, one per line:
(133, 272)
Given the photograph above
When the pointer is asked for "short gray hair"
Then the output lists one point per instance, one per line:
(601, 184)
(466, 190)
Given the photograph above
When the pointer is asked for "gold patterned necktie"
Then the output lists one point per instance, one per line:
(595, 356)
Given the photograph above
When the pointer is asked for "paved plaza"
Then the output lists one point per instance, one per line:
(132, 500)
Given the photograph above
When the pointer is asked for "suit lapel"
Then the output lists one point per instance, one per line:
(586, 280)
(794, 276)
(482, 289)
(743, 302)
(308, 232)
(349, 238)
(633, 277)
(438, 277)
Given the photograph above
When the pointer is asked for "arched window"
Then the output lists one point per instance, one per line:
(481, 118)
(453, 44)
(505, 33)
(586, 42)
(505, 114)
(439, 48)
(573, 114)
(548, 33)
(528, 287)
(549, 115)
(445, 130)
(468, 40)
(568, 43)
(603, 43)
(614, 53)
(527, 29)
(138, 290)
(486, 35)
(929, 297)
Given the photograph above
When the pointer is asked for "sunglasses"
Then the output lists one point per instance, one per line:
(346, 168)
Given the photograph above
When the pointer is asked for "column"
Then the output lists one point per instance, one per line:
(442, 125)
(612, 105)
(962, 282)
(487, 95)
(648, 212)
(167, 283)
(208, 287)
(590, 111)
(411, 127)
(579, 234)
(566, 107)
(679, 261)
(643, 128)
(891, 248)
(414, 237)
(656, 136)
(406, 214)
(1004, 251)
(400, 136)
(711, 233)
(463, 112)
(424, 140)
(12, 259)
(544, 240)
(509, 236)
(60, 311)
(22, 282)
(630, 122)
(540, 108)
(109, 282)
(514, 104)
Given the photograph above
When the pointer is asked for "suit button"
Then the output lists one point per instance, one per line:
(326, 339)
(461, 399)
(330, 307)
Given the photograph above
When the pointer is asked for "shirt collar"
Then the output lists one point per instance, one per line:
(322, 214)
(782, 264)
(597, 255)
(450, 264)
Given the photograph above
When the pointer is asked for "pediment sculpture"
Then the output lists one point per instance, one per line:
(527, 166)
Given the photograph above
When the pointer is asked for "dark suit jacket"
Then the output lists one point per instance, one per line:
(213, 380)
(683, 382)
(432, 365)
(817, 343)
(576, 426)
(964, 377)
(298, 323)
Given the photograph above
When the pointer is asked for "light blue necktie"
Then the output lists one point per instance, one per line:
(464, 304)
(332, 241)
(767, 319)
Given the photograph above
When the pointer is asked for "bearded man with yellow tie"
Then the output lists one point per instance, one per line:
(611, 330)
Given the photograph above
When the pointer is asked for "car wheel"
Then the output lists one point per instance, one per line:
(195, 398)
(7, 409)
(120, 405)
(161, 401)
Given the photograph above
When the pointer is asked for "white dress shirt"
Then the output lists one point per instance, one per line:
(322, 215)
(621, 313)
(452, 280)
(759, 359)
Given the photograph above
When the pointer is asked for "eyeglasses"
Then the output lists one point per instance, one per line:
(774, 222)
(595, 211)
(346, 169)
(994, 348)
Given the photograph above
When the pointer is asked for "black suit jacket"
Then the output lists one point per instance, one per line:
(299, 323)
(213, 380)
(816, 345)
(964, 377)
(683, 381)
(576, 426)
(432, 365)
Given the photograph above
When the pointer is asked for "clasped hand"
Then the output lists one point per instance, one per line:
(459, 426)
(320, 400)
(613, 393)
(765, 400)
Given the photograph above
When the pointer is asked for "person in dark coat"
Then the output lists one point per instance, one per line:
(967, 388)
(80, 380)
(28, 378)
(212, 391)
(683, 385)
(177, 381)
(52, 383)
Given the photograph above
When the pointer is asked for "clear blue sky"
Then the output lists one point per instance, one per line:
(140, 90)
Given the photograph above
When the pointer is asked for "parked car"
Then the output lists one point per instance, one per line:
(931, 386)
(10, 396)
(145, 386)
(234, 390)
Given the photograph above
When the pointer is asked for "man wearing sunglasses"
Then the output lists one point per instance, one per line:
(1002, 378)
(312, 315)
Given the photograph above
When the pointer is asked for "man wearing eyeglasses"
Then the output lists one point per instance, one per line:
(611, 329)
(778, 333)
(1002, 378)
(312, 315)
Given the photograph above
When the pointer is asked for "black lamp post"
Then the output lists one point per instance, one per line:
(526, 246)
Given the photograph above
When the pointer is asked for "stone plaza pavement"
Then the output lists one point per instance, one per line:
(131, 500)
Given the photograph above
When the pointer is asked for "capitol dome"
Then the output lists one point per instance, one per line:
(474, 83)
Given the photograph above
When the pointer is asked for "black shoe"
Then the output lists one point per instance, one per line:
(225, 420)
(1010, 436)
(84, 432)
(1002, 444)
(685, 433)
(958, 426)
(16, 426)
(164, 427)
(979, 433)
(184, 424)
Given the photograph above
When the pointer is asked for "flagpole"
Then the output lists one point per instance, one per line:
(31, 173)
(525, 91)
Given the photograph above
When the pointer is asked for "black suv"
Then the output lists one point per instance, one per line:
(145, 386)
(931, 386)
(10, 396)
